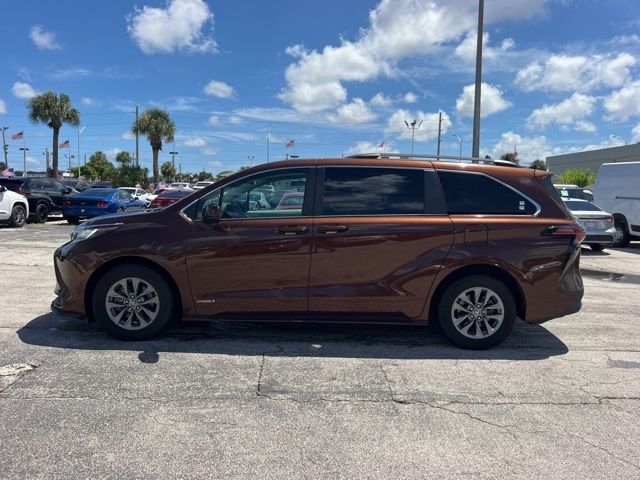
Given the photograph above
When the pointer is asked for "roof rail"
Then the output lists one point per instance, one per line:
(437, 158)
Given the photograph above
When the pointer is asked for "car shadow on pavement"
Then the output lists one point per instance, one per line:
(527, 342)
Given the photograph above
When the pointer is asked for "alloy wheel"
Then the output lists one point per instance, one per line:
(477, 312)
(132, 303)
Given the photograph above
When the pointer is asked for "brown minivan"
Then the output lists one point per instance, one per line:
(397, 240)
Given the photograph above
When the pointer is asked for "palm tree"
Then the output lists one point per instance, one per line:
(156, 125)
(54, 111)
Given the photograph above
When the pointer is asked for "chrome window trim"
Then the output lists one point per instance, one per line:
(536, 204)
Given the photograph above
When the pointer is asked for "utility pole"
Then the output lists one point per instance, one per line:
(439, 132)
(137, 139)
(79, 132)
(46, 156)
(413, 125)
(475, 150)
(180, 171)
(70, 157)
(5, 147)
(85, 159)
(24, 160)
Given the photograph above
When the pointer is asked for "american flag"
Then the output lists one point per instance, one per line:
(64, 144)
(381, 145)
(291, 143)
(8, 172)
(17, 136)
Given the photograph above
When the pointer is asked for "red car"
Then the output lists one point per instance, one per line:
(291, 201)
(169, 197)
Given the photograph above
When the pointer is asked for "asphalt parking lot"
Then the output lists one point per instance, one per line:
(561, 400)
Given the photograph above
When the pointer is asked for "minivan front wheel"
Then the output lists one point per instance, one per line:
(132, 302)
(477, 312)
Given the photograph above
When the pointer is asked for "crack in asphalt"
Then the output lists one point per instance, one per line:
(612, 455)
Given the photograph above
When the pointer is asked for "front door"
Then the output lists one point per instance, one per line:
(381, 235)
(256, 258)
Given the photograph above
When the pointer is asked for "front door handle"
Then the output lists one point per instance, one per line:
(293, 229)
(332, 228)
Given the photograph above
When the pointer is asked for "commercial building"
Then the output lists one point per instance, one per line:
(592, 159)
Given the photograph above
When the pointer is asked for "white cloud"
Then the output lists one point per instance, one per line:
(466, 50)
(271, 114)
(624, 102)
(128, 136)
(69, 73)
(215, 163)
(529, 148)
(566, 113)
(315, 79)
(635, 133)
(210, 151)
(380, 100)
(410, 97)
(214, 120)
(585, 126)
(219, 89)
(492, 101)
(3, 107)
(110, 153)
(42, 39)
(370, 147)
(182, 25)
(427, 131)
(89, 101)
(354, 112)
(23, 90)
(563, 73)
(193, 141)
(235, 120)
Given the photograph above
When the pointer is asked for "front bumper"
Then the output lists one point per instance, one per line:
(73, 263)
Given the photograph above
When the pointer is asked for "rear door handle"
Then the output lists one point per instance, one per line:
(332, 228)
(293, 229)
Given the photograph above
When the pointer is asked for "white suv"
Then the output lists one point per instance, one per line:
(14, 208)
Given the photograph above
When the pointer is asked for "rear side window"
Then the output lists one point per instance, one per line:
(473, 193)
(373, 191)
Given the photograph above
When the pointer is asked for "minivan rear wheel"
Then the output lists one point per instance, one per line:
(621, 237)
(477, 312)
(132, 302)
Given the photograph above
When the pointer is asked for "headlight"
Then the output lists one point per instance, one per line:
(82, 233)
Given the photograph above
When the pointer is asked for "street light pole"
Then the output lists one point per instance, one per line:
(268, 145)
(251, 158)
(24, 160)
(475, 150)
(460, 142)
(173, 161)
(413, 125)
(5, 147)
(70, 157)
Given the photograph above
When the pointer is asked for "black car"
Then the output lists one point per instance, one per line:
(79, 185)
(45, 195)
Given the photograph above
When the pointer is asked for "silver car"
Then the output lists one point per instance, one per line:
(597, 223)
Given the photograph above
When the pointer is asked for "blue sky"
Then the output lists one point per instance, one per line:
(338, 77)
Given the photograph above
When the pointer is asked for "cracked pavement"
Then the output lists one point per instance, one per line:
(263, 401)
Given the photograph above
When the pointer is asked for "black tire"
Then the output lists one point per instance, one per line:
(596, 247)
(72, 220)
(42, 213)
(164, 310)
(18, 216)
(446, 319)
(621, 238)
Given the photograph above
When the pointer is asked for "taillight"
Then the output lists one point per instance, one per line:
(66, 202)
(576, 231)
(102, 204)
(608, 219)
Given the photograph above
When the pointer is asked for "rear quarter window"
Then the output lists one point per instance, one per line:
(477, 194)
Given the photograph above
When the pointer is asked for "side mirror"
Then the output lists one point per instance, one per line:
(3, 188)
(211, 214)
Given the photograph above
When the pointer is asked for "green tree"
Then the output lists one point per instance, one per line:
(511, 157)
(223, 174)
(168, 171)
(156, 125)
(204, 176)
(3, 166)
(53, 110)
(576, 176)
(124, 159)
(99, 167)
(538, 165)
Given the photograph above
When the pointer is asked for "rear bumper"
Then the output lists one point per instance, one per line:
(600, 238)
(85, 212)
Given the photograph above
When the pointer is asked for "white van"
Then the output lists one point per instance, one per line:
(617, 191)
